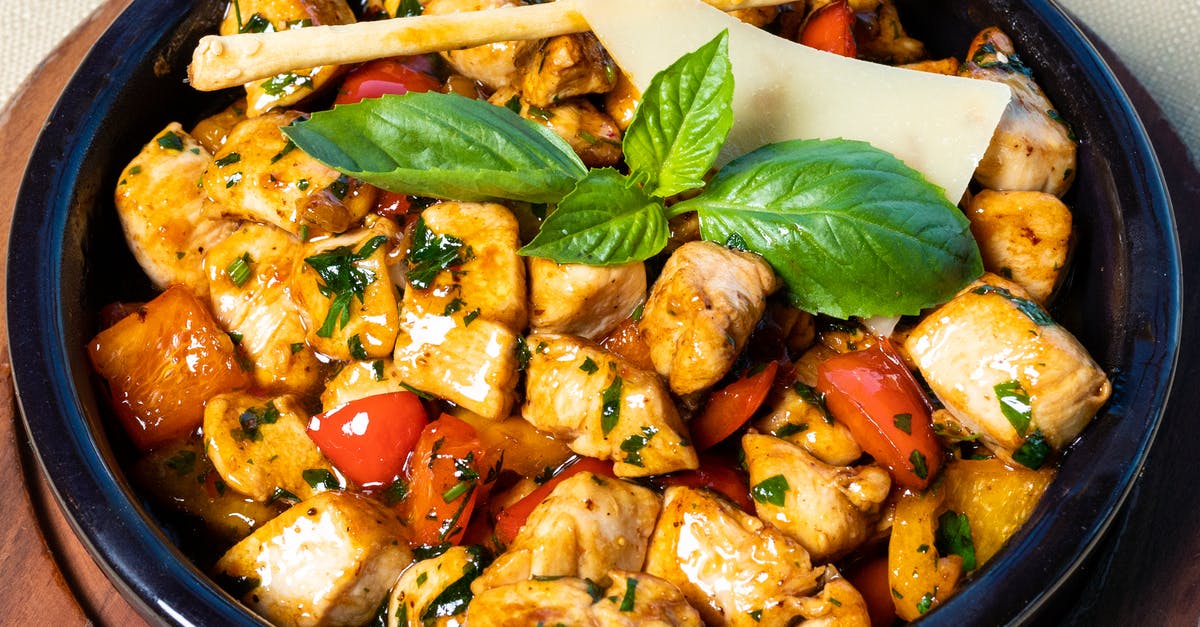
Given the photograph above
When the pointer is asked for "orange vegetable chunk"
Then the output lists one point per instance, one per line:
(162, 363)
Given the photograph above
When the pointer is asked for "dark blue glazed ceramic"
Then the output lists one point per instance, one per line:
(68, 259)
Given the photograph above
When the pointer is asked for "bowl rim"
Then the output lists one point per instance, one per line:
(165, 587)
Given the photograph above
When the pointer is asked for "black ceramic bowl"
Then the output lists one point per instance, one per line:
(68, 259)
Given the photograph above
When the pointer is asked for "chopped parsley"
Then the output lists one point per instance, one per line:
(255, 417)
(1015, 405)
(377, 369)
(589, 366)
(633, 445)
(1034, 451)
(903, 422)
(297, 347)
(610, 405)
(288, 147)
(355, 345)
(630, 598)
(228, 159)
(342, 279)
(170, 141)
(809, 395)
(256, 24)
(918, 461)
(239, 271)
(321, 479)
(1027, 307)
(771, 490)
(791, 428)
(395, 492)
(282, 495)
(470, 317)
(926, 602)
(453, 600)
(430, 254)
(453, 307)
(183, 462)
(954, 537)
(286, 84)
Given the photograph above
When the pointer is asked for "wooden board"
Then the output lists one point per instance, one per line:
(1144, 573)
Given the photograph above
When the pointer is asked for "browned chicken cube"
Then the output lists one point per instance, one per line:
(161, 210)
(583, 300)
(563, 67)
(630, 599)
(494, 65)
(328, 560)
(1024, 236)
(591, 133)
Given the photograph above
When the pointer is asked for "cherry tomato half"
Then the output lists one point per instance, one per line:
(381, 77)
(831, 28)
(875, 395)
(369, 438)
(730, 407)
(446, 475)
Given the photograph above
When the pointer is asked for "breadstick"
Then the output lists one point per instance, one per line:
(230, 60)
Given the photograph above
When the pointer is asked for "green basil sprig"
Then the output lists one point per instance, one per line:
(441, 145)
(850, 228)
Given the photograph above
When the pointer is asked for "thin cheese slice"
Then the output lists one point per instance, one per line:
(939, 125)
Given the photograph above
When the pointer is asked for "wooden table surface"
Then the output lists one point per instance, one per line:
(1146, 572)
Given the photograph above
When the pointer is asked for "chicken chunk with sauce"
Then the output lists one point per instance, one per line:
(701, 311)
(249, 275)
(587, 526)
(1033, 149)
(260, 447)
(729, 564)
(161, 210)
(603, 406)
(563, 67)
(256, 16)
(259, 175)
(328, 560)
(593, 134)
(829, 510)
(435, 588)
(345, 295)
(1006, 371)
(578, 299)
(1025, 236)
(495, 64)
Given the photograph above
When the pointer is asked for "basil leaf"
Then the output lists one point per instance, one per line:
(443, 146)
(605, 221)
(682, 121)
(850, 229)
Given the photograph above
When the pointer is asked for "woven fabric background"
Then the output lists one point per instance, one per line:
(1158, 41)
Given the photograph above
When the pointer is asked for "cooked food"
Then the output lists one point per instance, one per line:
(512, 335)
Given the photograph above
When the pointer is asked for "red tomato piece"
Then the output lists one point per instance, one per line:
(369, 438)
(870, 578)
(512, 518)
(382, 77)
(446, 474)
(730, 407)
(831, 28)
(392, 204)
(719, 475)
(875, 395)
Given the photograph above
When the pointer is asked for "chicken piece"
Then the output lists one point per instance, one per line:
(256, 16)
(587, 526)
(829, 510)
(248, 277)
(328, 560)
(603, 406)
(345, 295)
(1006, 371)
(563, 67)
(435, 588)
(948, 66)
(473, 365)
(1033, 149)
(162, 363)
(360, 379)
(213, 130)
(259, 175)
(1024, 236)
(631, 599)
(494, 65)
(701, 311)
(622, 101)
(161, 210)
(260, 447)
(728, 564)
(796, 416)
(583, 300)
(838, 604)
(591, 133)
(176, 477)
(483, 277)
